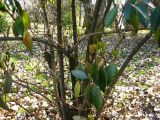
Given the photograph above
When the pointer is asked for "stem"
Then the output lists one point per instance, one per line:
(73, 60)
(61, 65)
(92, 29)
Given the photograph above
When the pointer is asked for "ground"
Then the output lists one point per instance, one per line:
(136, 95)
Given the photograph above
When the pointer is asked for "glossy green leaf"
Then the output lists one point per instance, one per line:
(18, 8)
(77, 89)
(135, 22)
(142, 13)
(2, 7)
(111, 16)
(18, 27)
(95, 73)
(102, 79)
(78, 74)
(111, 71)
(26, 20)
(97, 98)
(128, 9)
(155, 19)
(7, 83)
(3, 104)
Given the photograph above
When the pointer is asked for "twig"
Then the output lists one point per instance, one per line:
(25, 86)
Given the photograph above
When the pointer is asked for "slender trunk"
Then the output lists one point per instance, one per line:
(61, 57)
(92, 29)
(45, 18)
(73, 60)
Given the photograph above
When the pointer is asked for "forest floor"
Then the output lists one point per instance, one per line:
(136, 95)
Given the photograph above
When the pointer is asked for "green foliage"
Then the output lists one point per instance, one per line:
(96, 98)
(111, 16)
(77, 89)
(102, 79)
(18, 27)
(7, 83)
(155, 22)
(111, 71)
(21, 24)
(3, 23)
(79, 75)
(135, 12)
(2, 7)
(143, 14)
(3, 104)
(67, 19)
(135, 22)
(95, 73)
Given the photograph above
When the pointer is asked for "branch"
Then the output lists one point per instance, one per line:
(25, 86)
(47, 41)
(93, 28)
(83, 38)
(126, 62)
(61, 58)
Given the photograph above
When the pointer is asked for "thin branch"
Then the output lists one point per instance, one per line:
(46, 41)
(83, 38)
(61, 57)
(25, 86)
(126, 62)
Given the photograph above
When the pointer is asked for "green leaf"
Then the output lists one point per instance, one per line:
(102, 79)
(19, 8)
(78, 74)
(97, 99)
(26, 20)
(3, 104)
(143, 14)
(81, 67)
(2, 60)
(135, 22)
(115, 53)
(157, 35)
(95, 73)
(154, 19)
(88, 94)
(7, 83)
(18, 27)
(2, 7)
(128, 9)
(111, 16)
(111, 71)
(77, 89)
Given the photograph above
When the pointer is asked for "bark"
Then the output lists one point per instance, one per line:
(61, 57)
(92, 29)
(73, 59)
